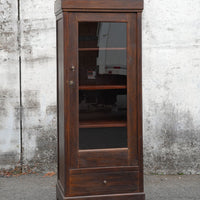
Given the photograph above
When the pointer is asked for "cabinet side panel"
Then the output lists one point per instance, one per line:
(132, 89)
(139, 92)
(60, 96)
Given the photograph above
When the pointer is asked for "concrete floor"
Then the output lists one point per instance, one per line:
(37, 187)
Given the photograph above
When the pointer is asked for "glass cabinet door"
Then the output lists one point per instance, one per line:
(103, 100)
(102, 58)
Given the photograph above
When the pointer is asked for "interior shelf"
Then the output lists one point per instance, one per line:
(101, 87)
(98, 49)
(102, 123)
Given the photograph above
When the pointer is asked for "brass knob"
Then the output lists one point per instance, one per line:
(71, 83)
(73, 68)
(105, 182)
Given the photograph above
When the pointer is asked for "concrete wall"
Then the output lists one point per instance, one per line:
(171, 85)
(9, 85)
(38, 42)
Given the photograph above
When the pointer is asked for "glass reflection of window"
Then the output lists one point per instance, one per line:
(110, 62)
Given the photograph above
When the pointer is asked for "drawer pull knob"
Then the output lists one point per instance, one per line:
(105, 182)
(71, 83)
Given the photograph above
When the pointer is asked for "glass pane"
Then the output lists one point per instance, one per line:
(102, 35)
(102, 53)
(101, 138)
(102, 85)
(102, 105)
(102, 67)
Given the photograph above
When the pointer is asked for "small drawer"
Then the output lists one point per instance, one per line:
(104, 183)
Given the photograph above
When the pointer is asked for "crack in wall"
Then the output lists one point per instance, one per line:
(20, 83)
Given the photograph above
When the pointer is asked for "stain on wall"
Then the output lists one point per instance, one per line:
(38, 40)
(171, 86)
(9, 85)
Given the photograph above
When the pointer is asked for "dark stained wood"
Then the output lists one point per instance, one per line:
(101, 87)
(103, 4)
(103, 157)
(102, 11)
(104, 169)
(102, 124)
(66, 105)
(132, 91)
(139, 96)
(73, 91)
(81, 173)
(124, 196)
(103, 183)
(60, 103)
(106, 17)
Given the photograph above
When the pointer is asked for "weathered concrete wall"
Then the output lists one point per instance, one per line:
(39, 83)
(9, 85)
(171, 85)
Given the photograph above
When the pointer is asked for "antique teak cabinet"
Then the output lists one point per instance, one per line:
(99, 95)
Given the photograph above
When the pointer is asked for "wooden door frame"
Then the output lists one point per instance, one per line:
(73, 91)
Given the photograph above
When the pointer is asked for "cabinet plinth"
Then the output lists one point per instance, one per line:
(99, 100)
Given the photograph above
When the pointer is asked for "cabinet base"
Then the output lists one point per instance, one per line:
(127, 196)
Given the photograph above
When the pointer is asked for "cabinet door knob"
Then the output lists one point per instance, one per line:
(71, 83)
(73, 68)
(105, 182)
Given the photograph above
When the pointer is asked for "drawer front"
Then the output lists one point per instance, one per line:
(104, 183)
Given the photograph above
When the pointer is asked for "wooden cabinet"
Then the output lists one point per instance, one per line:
(99, 90)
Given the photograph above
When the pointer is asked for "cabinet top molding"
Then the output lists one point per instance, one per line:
(98, 5)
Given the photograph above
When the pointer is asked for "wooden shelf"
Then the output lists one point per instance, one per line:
(102, 124)
(102, 87)
(99, 49)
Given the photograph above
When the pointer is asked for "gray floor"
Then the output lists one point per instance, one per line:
(36, 187)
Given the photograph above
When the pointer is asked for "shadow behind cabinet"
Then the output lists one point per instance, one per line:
(99, 95)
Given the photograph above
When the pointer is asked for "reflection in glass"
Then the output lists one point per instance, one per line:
(102, 53)
(102, 81)
(103, 105)
(102, 35)
(102, 68)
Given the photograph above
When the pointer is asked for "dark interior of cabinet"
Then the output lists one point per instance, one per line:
(102, 138)
(102, 105)
(102, 85)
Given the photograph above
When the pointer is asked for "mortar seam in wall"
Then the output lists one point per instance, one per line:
(20, 83)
